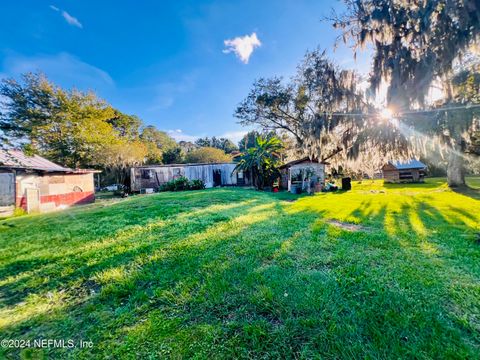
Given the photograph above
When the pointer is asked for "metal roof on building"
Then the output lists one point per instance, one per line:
(304, 159)
(181, 165)
(410, 164)
(17, 159)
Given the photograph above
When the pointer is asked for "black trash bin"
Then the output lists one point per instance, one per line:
(346, 184)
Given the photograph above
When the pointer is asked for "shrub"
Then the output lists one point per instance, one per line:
(182, 184)
(197, 185)
(168, 186)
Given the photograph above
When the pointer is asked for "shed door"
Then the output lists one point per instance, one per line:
(217, 177)
(33, 200)
(7, 189)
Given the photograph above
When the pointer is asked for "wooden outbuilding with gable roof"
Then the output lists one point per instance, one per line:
(404, 171)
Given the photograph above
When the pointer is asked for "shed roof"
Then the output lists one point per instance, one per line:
(181, 165)
(299, 161)
(17, 159)
(410, 164)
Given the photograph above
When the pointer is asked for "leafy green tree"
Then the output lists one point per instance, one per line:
(27, 105)
(207, 155)
(68, 127)
(73, 127)
(127, 126)
(186, 146)
(227, 145)
(157, 143)
(220, 143)
(262, 161)
(203, 142)
(161, 139)
(117, 158)
(172, 156)
(249, 140)
(78, 129)
(290, 150)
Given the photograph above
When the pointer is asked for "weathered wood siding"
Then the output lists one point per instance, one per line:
(392, 175)
(154, 176)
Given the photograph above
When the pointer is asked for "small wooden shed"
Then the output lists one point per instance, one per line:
(212, 174)
(295, 172)
(39, 185)
(404, 171)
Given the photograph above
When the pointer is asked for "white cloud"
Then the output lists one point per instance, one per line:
(235, 136)
(179, 135)
(63, 67)
(242, 46)
(72, 20)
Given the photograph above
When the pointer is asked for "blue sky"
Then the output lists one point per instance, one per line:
(166, 61)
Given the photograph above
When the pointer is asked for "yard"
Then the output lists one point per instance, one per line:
(380, 272)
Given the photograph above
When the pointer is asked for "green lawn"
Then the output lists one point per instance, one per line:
(234, 273)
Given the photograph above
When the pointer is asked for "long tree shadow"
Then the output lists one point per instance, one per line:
(140, 242)
(157, 276)
(468, 191)
(280, 282)
(428, 240)
(118, 230)
(287, 282)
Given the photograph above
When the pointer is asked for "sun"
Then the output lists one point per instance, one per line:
(386, 114)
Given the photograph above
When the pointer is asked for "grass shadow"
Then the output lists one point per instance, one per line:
(271, 279)
(468, 191)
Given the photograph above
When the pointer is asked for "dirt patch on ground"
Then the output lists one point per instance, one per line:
(347, 226)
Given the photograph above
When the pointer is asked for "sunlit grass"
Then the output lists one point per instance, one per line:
(233, 273)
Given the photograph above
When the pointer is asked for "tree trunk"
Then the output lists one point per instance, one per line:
(260, 181)
(456, 169)
(255, 178)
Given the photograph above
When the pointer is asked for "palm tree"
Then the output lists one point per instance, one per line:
(262, 161)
